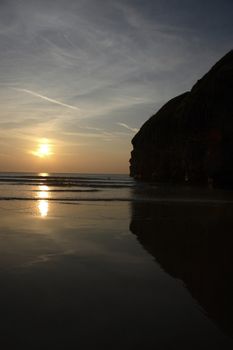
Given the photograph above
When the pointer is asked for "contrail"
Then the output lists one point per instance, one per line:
(33, 93)
(127, 127)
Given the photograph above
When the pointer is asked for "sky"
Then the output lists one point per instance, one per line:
(82, 76)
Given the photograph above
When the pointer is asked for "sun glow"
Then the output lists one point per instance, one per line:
(43, 150)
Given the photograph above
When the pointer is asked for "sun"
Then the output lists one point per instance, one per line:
(43, 151)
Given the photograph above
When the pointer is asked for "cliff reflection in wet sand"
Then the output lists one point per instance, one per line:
(193, 243)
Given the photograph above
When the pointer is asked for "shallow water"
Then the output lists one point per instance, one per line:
(120, 268)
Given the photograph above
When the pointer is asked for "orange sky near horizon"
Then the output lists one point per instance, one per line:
(65, 158)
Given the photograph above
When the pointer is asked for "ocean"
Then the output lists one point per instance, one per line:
(64, 187)
(101, 261)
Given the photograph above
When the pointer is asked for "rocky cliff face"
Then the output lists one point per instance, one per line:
(191, 137)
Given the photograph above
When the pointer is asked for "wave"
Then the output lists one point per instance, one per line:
(6, 198)
(66, 190)
(191, 201)
(67, 181)
(70, 184)
(115, 178)
(75, 188)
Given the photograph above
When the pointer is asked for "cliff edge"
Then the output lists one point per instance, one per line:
(190, 139)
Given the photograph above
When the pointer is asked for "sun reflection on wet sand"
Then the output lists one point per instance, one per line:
(43, 204)
(43, 207)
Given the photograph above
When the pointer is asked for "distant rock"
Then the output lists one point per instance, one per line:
(190, 139)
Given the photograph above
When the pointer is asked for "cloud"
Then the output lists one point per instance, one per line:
(128, 127)
(109, 65)
(33, 93)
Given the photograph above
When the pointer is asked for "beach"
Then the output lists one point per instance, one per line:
(95, 261)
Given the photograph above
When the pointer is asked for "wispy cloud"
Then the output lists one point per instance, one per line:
(128, 127)
(84, 74)
(46, 98)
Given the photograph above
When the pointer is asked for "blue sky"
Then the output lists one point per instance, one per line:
(86, 74)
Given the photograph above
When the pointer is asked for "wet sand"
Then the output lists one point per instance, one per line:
(115, 275)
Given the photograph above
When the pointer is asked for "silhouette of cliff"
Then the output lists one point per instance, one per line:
(190, 139)
(192, 243)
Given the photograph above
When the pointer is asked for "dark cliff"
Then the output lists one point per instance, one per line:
(191, 137)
